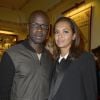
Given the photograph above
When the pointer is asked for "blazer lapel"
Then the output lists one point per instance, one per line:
(58, 75)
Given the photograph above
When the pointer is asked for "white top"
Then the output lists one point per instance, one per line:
(39, 55)
(65, 57)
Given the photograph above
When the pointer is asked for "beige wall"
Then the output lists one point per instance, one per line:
(95, 35)
(12, 15)
(56, 11)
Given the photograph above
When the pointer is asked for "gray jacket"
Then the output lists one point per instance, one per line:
(32, 77)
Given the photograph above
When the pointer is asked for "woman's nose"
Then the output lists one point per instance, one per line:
(60, 34)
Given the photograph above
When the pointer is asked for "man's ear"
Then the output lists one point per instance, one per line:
(49, 32)
(47, 36)
(27, 27)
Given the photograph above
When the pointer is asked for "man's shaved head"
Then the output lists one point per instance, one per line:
(38, 13)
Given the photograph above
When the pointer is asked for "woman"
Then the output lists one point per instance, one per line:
(75, 74)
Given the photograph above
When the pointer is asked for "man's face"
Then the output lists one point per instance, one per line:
(38, 29)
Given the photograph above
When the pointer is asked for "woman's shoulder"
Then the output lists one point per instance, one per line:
(86, 58)
(86, 54)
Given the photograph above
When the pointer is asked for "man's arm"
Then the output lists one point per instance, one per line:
(7, 71)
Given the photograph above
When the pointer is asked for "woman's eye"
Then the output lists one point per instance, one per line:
(66, 31)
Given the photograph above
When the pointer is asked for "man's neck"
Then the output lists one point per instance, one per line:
(37, 47)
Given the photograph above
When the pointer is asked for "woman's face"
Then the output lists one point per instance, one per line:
(63, 35)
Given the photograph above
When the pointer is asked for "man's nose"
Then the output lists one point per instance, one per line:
(39, 28)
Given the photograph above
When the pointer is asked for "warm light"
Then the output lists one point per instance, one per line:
(14, 40)
(7, 45)
(6, 32)
(70, 13)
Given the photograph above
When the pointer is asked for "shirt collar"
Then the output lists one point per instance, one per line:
(65, 57)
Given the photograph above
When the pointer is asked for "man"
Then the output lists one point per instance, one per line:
(25, 68)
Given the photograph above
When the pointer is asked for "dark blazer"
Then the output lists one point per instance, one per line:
(76, 80)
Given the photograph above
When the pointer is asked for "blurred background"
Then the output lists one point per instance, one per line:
(14, 16)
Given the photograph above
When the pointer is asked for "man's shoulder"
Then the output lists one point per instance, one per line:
(47, 52)
(15, 47)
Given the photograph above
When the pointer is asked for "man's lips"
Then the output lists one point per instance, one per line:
(39, 36)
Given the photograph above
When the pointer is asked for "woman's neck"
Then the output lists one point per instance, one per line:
(64, 51)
